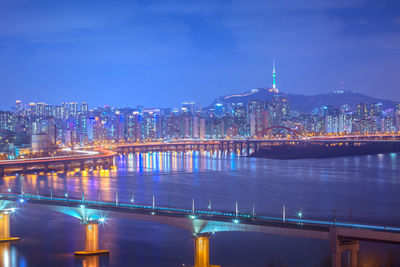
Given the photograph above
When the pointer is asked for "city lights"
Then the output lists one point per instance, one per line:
(199, 133)
(224, 120)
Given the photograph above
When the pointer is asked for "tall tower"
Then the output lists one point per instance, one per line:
(273, 89)
(273, 75)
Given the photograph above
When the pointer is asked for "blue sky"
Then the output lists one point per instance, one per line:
(161, 53)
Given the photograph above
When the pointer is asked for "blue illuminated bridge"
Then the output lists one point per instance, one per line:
(202, 223)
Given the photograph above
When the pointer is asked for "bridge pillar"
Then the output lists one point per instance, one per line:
(82, 167)
(46, 168)
(202, 251)
(5, 227)
(1, 171)
(94, 164)
(66, 167)
(338, 246)
(108, 164)
(91, 239)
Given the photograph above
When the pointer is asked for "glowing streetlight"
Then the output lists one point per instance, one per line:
(299, 214)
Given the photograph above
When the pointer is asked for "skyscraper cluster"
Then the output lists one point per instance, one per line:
(36, 127)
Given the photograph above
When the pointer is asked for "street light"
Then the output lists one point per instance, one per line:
(300, 214)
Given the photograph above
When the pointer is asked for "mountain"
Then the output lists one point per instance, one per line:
(306, 103)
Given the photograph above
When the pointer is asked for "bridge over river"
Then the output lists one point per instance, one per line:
(201, 223)
(103, 157)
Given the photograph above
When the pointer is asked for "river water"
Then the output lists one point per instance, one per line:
(360, 189)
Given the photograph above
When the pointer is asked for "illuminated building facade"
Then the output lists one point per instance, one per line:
(75, 124)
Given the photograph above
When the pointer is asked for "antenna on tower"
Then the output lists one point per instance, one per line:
(274, 89)
(273, 66)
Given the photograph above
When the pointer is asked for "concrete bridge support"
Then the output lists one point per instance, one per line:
(91, 240)
(202, 251)
(5, 227)
(107, 164)
(338, 246)
(66, 167)
(46, 168)
(94, 164)
(82, 167)
(343, 246)
(1, 171)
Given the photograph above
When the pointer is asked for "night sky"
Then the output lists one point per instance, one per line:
(161, 53)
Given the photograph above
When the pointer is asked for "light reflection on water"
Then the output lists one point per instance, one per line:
(369, 185)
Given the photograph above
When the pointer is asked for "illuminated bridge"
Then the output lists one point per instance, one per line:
(275, 148)
(202, 223)
(99, 158)
(104, 158)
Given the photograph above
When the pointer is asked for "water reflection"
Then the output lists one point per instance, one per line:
(5, 255)
(92, 261)
(9, 256)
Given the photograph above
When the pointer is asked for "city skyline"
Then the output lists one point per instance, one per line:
(271, 89)
(164, 53)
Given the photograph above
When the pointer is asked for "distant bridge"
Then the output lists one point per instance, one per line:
(103, 158)
(256, 147)
(97, 158)
(202, 223)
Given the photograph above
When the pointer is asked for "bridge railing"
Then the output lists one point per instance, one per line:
(234, 216)
(81, 202)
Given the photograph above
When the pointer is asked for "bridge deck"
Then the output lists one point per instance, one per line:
(344, 229)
